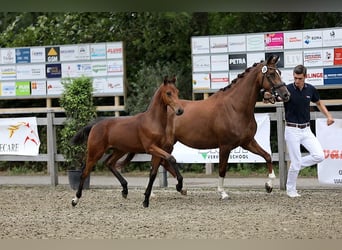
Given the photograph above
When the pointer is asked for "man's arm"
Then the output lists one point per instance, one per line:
(324, 110)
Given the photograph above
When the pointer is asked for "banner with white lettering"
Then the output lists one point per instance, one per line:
(330, 170)
(19, 136)
(184, 154)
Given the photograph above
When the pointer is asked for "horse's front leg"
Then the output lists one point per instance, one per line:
(224, 154)
(174, 171)
(160, 153)
(255, 148)
(153, 173)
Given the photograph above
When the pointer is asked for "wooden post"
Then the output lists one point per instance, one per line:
(51, 148)
(162, 177)
(48, 102)
(117, 103)
(281, 145)
(209, 168)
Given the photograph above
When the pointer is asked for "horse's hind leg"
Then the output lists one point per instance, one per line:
(84, 175)
(92, 157)
(255, 148)
(111, 164)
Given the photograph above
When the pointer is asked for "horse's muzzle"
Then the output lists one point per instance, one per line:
(286, 97)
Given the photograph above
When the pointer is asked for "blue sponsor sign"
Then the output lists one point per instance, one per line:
(53, 70)
(23, 55)
(332, 75)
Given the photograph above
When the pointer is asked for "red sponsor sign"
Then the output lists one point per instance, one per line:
(220, 79)
(337, 56)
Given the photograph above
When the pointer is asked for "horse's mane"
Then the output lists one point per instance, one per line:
(239, 76)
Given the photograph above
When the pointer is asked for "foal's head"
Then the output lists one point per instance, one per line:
(169, 95)
(270, 79)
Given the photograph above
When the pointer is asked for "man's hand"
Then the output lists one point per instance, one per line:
(268, 98)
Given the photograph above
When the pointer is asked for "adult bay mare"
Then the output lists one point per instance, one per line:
(225, 120)
(141, 133)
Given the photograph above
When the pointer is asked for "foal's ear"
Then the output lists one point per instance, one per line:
(174, 79)
(166, 80)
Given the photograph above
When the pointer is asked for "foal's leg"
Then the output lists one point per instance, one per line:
(255, 148)
(155, 162)
(174, 171)
(90, 163)
(110, 163)
(160, 153)
(224, 154)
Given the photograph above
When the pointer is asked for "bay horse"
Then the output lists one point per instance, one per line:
(225, 120)
(141, 133)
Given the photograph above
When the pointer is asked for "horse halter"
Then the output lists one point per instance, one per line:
(274, 88)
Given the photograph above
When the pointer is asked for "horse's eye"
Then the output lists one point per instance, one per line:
(169, 94)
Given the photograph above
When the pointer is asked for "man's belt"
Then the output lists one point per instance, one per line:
(296, 125)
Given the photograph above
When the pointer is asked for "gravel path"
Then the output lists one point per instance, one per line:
(41, 212)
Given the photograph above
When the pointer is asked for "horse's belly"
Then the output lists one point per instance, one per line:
(197, 140)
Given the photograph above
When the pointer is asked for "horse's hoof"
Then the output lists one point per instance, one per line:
(124, 194)
(184, 192)
(226, 198)
(268, 187)
(145, 203)
(179, 187)
(73, 203)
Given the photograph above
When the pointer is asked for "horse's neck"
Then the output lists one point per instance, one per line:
(245, 93)
(157, 111)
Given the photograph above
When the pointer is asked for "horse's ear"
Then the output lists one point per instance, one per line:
(165, 80)
(276, 59)
(174, 79)
(273, 59)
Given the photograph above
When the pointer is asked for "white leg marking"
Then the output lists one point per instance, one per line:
(220, 189)
(272, 175)
(75, 200)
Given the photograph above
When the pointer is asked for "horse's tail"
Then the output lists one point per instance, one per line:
(82, 135)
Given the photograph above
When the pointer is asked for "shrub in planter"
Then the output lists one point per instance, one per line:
(77, 101)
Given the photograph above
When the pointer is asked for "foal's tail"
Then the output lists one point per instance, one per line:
(82, 135)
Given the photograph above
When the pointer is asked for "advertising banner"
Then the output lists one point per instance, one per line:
(274, 41)
(49, 66)
(330, 137)
(332, 75)
(23, 55)
(237, 62)
(19, 136)
(219, 44)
